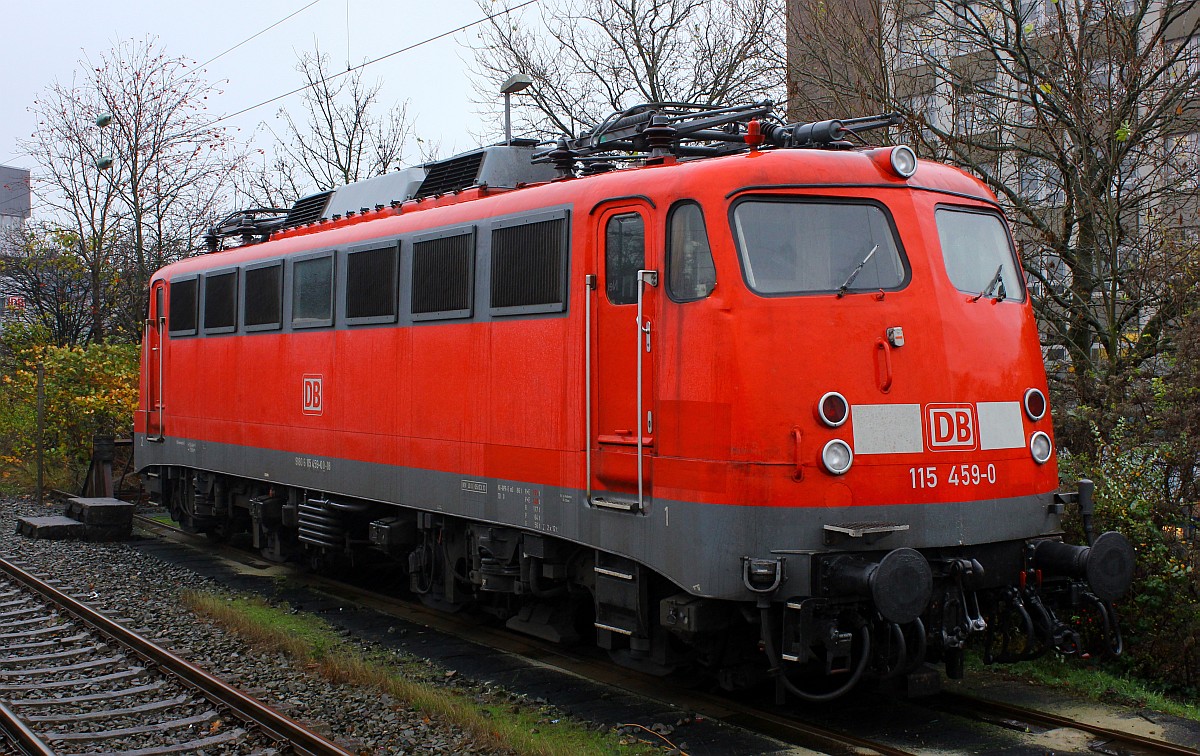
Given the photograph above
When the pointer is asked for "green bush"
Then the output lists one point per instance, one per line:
(88, 390)
(1161, 615)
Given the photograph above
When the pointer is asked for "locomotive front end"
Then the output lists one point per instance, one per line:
(890, 349)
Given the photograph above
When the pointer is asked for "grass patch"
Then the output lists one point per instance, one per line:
(495, 723)
(1056, 671)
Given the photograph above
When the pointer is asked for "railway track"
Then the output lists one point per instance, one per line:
(73, 680)
(793, 729)
(1006, 714)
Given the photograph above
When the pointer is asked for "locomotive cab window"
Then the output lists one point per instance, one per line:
(220, 302)
(978, 254)
(805, 247)
(624, 256)
(312, 292)
(371, 285)
(182, 318)
(443, 274)
(691, 274)
(262, 303)
(529, 265)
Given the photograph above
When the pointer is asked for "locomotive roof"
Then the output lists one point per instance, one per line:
(712, 179)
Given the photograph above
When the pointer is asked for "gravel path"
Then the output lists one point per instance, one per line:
(118, 579)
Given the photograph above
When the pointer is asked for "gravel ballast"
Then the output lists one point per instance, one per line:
(144, 593)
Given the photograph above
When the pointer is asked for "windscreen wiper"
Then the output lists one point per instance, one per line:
(996, 279)
(854, 273)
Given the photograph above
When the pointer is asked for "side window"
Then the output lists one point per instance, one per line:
(624, 256)
(220, 302)
(443, 275)
(978, 254)
(262, 303)
(371, 285)
(690, 271)
(182, 319)
(312, 292)
(529, 267)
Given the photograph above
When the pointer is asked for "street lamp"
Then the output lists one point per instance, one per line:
(103, 162)
(515, 83)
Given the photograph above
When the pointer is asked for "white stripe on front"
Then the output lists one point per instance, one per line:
(1000, 425)
(887, 428)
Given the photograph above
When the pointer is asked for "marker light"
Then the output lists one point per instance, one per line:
(1035, 404)
(833, 409)
(837, 457)
(904, 161)
(1040, 447)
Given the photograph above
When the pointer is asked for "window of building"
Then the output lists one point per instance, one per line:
(312, 292)
(807, 247)
(624, 256)
(220, 302)
(371, 292)
(262, 301)
(443, 275)
(691, 274)
(978, 254)
(529, 261)
(182, 319)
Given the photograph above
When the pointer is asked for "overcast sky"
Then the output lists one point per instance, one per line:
(43, 42)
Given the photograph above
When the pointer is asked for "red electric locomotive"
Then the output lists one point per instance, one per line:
(712, 389)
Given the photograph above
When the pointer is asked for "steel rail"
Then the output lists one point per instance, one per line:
(1045, 719)
(23, 738)
(275, 725)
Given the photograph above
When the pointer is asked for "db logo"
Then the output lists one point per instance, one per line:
(313, 395)
(950, 426)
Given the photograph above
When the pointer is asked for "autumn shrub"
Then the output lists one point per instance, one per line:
(88, 390)
(1160, 618)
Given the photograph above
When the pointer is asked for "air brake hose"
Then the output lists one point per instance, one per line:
(777, 670)
(902, 655)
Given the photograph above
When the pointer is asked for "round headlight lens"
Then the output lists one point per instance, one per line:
(904, 161)
(1040, 447)
(1035, 404)
(833, 409)
(837, 457)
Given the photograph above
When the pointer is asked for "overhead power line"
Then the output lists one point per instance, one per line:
(361, 66)
(259, 34)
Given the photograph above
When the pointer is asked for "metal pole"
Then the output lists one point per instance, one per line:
(507, 119)
(41, 427)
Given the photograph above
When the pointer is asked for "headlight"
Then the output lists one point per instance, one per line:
(837, 457)
(833, 409)
(1040, 447)
(904, 161)
(1035, 404)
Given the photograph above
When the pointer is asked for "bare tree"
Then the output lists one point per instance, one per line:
(342, 137)
(590, 58)
(42, 267)
(69, 147)
(1080, 115)
(169, 169)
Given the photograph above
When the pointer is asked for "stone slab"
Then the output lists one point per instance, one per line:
(100, 511)
(51, 528)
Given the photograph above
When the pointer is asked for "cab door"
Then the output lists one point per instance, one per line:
(622, 344)
(156, 326)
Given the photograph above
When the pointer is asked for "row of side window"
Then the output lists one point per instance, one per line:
(526, 267)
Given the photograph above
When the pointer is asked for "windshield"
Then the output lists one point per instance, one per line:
(978, 254)
(802, 247)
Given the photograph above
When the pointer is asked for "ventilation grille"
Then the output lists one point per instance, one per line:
(452, 174)
(307, 210)
(442, 274)
(371, 283)
(183, 306)
(220, 301)
(527, 265)
(264, 296)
